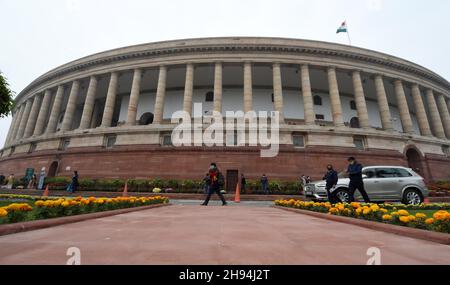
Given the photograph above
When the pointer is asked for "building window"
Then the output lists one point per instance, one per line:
(166, 140)
(317, 100)
(298, 140)
(32, 147)
(110, 141)
(209, 97)
(446, 150)
(352, 105)
(13, 149)
(273, 98)
(64, 144)
(359, 143)
(320, 117)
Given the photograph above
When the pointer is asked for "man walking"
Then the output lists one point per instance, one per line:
(216, 181)
(354, 172)
(331, 177)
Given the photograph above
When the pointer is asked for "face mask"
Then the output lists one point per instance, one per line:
(212, 167)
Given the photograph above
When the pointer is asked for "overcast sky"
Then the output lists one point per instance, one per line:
(40, 35)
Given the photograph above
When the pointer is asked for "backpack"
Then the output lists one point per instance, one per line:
(220, 179)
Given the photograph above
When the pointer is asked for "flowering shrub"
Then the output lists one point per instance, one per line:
(53, 208)
(379, 213)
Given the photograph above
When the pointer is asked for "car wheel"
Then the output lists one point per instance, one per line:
(412, 197)
(343, 195)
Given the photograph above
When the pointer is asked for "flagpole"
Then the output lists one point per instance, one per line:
(348, 34)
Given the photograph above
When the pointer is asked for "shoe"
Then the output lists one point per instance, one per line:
(204, 204)
(224, 204)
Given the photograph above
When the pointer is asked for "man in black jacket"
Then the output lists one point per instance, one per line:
(331, 177)
(354, 172)
(216, 181)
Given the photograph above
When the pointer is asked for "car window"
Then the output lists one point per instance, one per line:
(402, 173)
(370, 173)
(386, 172)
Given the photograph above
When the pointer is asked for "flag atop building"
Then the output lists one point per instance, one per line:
(342, 28)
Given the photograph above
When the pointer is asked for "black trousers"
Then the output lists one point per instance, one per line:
(360, 186)
(213, 189)
(331, 197)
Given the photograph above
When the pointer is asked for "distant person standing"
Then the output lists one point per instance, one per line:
(331, 178)
(32, 183)
(243, 182)
(354, 172)
(74, 183)
(206, 183)
(216, 181)
(303, 180)
(265, 184)
(10, 183)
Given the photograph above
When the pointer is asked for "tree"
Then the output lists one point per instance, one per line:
(6, 97)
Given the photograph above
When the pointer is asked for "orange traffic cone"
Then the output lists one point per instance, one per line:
(45, 192)
(237, 197)
(125, 189)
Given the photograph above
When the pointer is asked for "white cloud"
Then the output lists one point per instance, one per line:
(374, 5)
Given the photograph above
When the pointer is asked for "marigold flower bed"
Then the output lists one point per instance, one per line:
(54, 208)
(385, 213)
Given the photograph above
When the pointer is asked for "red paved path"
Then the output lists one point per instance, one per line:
(215, 235)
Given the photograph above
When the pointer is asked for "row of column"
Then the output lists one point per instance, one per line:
(30, 117)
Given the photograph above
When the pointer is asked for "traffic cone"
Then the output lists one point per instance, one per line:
(237, 197)
(45, 192)
(125, 189)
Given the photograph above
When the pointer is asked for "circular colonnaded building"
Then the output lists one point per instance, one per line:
(108, 115)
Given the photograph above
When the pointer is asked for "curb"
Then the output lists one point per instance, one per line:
(441, 238)
(42, 224)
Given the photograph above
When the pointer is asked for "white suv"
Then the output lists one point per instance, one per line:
(382, 183)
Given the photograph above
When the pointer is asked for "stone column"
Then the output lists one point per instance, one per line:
(134, 97)
(405, 116)
(95, 114)
(278, 90)
(110, 101)
(24, 119)
(56, 109)
(43, 113)
(85, 122)
(31, 124)
(248, 87)
(422, 118)
(218, 87)
(360, 100)
(383, 105)
(445, 116)
(71, 106)
(11, 127)
(188, 88)
(308, 104)
(336, 107)
(17, 123)
(434, 114)
(160, 95)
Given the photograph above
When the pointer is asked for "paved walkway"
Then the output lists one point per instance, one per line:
(191, 234)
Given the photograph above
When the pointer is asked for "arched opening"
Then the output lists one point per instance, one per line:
(414, 161)
(354, 123)
(146, 119)
(53, 169)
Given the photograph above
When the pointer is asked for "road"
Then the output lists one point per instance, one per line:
(186, 233)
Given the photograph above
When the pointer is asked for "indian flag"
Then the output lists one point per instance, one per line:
(342, 28)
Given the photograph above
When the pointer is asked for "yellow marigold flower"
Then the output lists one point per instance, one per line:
(404, 219)
(429, 221)
(39, 203)
(383, 210)
(421, 216)
(374, 207)
(333, 211)
(3, 212)
(440, 215)
(359, 210)
(411, 218)
(340, 207)
(387, 217)
(65, 204)
(396, 214)
(355, 205)
(403, 213)
(367, 211)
